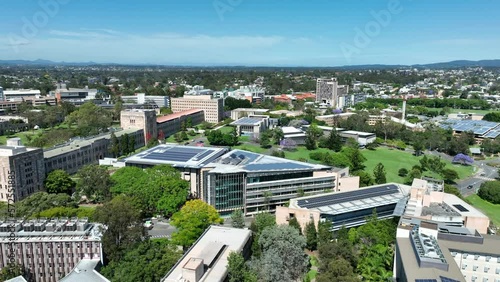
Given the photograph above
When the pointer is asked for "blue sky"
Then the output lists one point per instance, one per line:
(250, 32)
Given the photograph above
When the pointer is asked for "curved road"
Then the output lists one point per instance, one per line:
(483, 173)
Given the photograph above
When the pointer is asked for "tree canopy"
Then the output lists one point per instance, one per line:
(192, 220)
(94, 183)
(59, 181)
(490, 191)
(123, 226)
(90, 119)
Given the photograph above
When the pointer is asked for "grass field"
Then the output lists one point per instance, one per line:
(302, 152)
(491, 210)
(226, 129)
(23, 135)
(251, 148)
(394, 159)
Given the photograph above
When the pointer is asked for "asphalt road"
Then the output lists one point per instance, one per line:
(483, 173)
(161, 229)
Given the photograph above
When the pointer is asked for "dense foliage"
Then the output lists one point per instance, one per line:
(59, 181)
(490, 191)
(149, 260)
(156, 190)
(218, 138)
(192, 219)
(94, 183)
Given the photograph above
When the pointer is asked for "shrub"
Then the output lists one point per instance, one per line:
(403, 172)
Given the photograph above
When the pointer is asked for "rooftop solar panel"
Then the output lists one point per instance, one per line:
(446, 279)
(203, 155)
(348, 196)
(461, 208)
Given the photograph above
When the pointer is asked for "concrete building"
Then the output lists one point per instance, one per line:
(142, 98)
(2, 97)
(20, 95)
(436, 251)
(213, 108)
(363, 138)
(188, 160)
(242, 180)
(76, 153)
(252, 125)
(245, 112)
(75, 94)
(330, 93)
(22, 165)
(50, 249)
(170, 124)
(207, 259)
(253, 93)
(295, 134)
(347, 206)
(41, 101)
(332, 120)
(428, 201)
(140, 119)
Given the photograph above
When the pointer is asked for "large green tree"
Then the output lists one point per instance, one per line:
(337, 271)
(90, 119)
(283, 257)
(193, 218)
(10, 271)
(59, 181)
(237, 219)
(124, 226)
(311, 236)
(148, 260)
(334, 141)
(238, 270)
(158, 189)
(94, 183)
(32, 205)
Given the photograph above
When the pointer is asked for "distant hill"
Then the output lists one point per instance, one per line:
(442, 65)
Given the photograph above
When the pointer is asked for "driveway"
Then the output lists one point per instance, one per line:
(161, 229)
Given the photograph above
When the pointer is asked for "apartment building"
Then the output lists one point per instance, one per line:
(213, 107)
(329, 92)
(49, 249)
(23, 166)
(142, 98)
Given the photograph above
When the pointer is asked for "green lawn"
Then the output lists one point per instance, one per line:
(312, 272)
(23, 135)
(251, 148)
(226, 129)
(394, 159)
(491, 210)
(302, 152)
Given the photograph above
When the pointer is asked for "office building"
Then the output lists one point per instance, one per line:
(142, 99)
(436, 251)
(298, 136)
(428, 201)
(253, 93)
(213, 108)
(252, 125)
(188, 160)
(231, 180)
(330, 93)
(75, 95)
(2, 98)
(22, 165)
(245, 112)
(347, 206)
(21, 94)
(207, 259)
(79, 152)
(170, 124)
(50, 249)
(332, 120)
(363, 138)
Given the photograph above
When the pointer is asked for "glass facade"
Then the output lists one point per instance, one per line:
(357, 216)
(225, 191)
(263, 177)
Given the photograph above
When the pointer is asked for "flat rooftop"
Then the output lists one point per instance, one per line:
(247, 121)
(348, 201)
(86, 271)
(359, 133)
(177, 155)
(78, 143)
(244, 161)
(213, 247)
(173, 116)
(250, 110)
